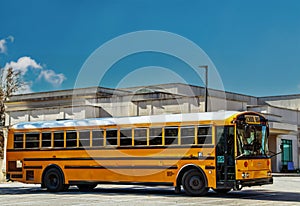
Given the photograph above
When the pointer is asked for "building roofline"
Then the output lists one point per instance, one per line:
(65, 92)
(192, 85)
(268, 105)
(279, 96)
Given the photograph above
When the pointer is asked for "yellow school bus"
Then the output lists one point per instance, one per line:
(197, 151)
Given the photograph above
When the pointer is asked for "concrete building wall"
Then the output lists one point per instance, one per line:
(287, 116)
(273, 148)
(285, 101)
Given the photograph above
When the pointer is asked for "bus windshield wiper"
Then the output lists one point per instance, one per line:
(240, 156)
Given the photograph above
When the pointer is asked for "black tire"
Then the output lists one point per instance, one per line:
(222, 191)
(86, 187)
(193, 183)
(54, 180)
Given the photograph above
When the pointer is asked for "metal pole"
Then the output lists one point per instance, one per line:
(206, 86)
(298, 139)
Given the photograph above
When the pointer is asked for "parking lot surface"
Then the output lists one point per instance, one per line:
(284, 191)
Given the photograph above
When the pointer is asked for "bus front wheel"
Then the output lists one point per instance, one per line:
(193, 183)
(53, 180)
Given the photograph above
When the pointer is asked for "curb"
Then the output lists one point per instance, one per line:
(285, 174)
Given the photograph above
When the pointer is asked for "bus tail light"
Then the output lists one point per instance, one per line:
(245, 164)
(268, 163)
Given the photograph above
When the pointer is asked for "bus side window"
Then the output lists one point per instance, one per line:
(84, 138)
(155, 137)
(46, 139)
(111, 137)
(187, 135)
(32, 140)
(18, 140)
(71, 138)
(140, 136)
(126, 137)
(171, 135)
(97, 138)
(204, 135)
(59, 139)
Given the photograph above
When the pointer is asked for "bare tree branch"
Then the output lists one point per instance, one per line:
(11, 82)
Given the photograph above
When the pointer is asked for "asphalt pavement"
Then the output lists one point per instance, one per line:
(284, 191)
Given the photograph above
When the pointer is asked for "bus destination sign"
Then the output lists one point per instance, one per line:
(254, 119)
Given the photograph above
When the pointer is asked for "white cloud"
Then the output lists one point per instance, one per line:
(31, 71)
(3, 42)
(3, 46)
(51, 77)
(11, 38)
(23, 64)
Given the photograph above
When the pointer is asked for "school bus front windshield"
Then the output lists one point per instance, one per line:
(252, 141)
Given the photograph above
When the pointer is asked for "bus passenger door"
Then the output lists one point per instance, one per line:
(225, 163)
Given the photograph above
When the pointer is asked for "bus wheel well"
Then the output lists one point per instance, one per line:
(48, 168)
(184, 169)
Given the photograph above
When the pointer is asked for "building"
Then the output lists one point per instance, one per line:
(282, 111)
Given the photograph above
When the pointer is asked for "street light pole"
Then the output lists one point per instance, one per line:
(206, 84)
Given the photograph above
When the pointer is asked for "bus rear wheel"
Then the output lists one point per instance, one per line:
(86, 187)
(193, 183)
(53, 180)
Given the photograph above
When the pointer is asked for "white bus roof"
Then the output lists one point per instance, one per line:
(207, 116)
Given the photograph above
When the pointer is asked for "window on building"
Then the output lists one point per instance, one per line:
(18, 140)
(140, 136)
(46, 139)
(155, 137)
(71, 138)
(84, 138)
(204, 135)
(59, 139)
(97, 138)
(187, 135)
(32, 140)
(171, 135)
(111, 137)
(125, 137)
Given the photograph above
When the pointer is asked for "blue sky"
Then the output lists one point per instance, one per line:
(254, 45)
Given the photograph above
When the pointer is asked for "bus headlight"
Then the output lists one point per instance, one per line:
(269, 173)
(244, 175)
